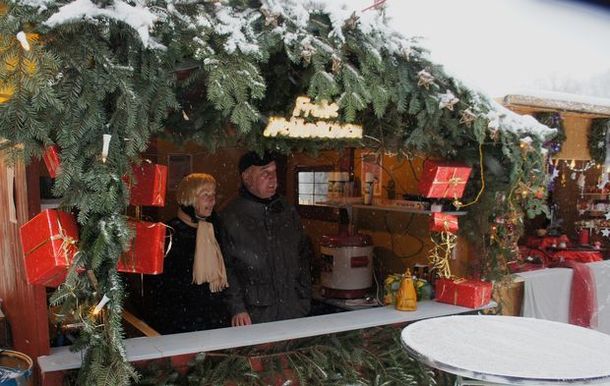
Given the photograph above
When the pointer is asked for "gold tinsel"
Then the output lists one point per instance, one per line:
(444, 244)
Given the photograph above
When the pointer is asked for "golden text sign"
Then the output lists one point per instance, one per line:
(298, 127)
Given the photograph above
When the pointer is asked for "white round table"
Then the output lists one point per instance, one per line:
(511, 350)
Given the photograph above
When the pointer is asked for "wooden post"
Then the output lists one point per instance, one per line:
(25, 305)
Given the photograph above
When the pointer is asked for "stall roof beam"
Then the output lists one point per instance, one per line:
(590, 107)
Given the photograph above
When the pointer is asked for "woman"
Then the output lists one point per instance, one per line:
(188, 295)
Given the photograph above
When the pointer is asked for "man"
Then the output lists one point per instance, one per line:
(266, 251)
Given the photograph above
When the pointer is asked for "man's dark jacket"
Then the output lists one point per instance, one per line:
(267, 257)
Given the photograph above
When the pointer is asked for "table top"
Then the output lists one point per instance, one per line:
(511, 350)
(146, 348)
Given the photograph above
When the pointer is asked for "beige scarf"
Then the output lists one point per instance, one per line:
(208, 264)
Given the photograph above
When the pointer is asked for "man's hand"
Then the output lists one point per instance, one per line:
(241, 319)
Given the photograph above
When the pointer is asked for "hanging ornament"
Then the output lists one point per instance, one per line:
(581, 183)
(494, 127)
(467, 117)
(407, 52)
(352, 21)
(494, 134)
(605, 232)
(271, 19)
(307, 52)
(337, 64)
(425, 79)
(447, 100)
(554, 174)
(105, 146)
(606, 166)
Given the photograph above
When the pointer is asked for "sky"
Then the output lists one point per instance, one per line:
(504, 46)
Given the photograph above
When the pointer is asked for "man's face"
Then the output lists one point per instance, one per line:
(261, 181)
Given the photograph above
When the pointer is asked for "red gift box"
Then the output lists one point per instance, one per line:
(443, 179)
(149, 185)
(441, 222)
(49, 242)
(147, 249)
(51, 160)
(463, 292)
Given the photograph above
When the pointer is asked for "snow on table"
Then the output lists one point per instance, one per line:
(508, 349)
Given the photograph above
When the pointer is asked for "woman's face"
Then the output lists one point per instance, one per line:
(205, 201)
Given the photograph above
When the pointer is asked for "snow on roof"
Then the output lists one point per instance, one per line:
(559, 101)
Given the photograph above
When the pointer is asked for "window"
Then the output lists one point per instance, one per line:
(312, 189)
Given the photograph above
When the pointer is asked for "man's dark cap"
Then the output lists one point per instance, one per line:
(252, 158)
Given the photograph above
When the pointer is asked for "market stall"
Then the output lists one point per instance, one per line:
(96, 92)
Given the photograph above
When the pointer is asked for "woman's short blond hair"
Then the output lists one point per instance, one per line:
(191, 187)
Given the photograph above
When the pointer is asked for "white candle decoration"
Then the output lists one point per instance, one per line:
(101, 304)
(105, 146)
(23, 40)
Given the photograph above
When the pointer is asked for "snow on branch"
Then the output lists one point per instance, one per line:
(504, 119)
(141, 19)
(237, 26)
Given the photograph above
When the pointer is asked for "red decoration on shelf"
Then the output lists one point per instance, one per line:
(149, 186)
(49, 242)
(147, 249)
(443, 179)
(463, 292)
(51, 160)
(442, 222)
(583, 237)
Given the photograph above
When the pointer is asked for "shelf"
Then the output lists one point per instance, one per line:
(406, 210)
(594, 194)
(595, 214)
(389, 208)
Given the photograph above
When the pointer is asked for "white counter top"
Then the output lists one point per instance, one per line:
(146, 348)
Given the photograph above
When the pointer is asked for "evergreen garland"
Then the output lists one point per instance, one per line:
(554, 120)
(597, 140)
(366, 357)
(96, 75)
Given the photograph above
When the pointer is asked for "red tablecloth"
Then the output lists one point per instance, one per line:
(579, 256)
(583, 295)
(540, 248)
(546, 241)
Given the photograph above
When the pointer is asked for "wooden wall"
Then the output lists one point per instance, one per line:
(401, 239)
